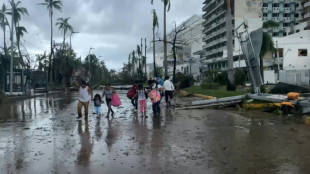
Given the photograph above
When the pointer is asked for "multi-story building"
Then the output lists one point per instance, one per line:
(214, 55)
(189, 40)
(306, 13)
(288, 13)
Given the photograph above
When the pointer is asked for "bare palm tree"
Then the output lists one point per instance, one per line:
(3, 24)
(155, 24)
(20, 31)
(51, 4)
(167, 6)
(64, 25)
(230, 57)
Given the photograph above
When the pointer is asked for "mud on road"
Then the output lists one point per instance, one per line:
(41, 135)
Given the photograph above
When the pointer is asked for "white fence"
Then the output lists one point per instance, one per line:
(295, 77)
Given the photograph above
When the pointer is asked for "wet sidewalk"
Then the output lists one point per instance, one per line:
(41, 135)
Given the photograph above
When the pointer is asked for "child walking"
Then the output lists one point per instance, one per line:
(97, 102)
(142, 96)
(108, 92)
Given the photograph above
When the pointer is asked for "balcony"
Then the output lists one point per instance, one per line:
(307, 4)
(215, 24)
(307, 15)
(219, 4)
(208, 5)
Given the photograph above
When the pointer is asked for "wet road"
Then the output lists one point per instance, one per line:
(41, 135)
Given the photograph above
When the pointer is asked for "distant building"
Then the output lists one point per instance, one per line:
(190, 41)
(306, 13)
(214, 54)
(288, 13)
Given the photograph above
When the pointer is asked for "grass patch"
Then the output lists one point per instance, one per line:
(219, 93)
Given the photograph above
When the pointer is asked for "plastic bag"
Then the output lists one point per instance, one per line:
(116, 100)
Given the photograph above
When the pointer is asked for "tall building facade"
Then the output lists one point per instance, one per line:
(288, 13)
(214, 55)
(215, 33)
(306, 13)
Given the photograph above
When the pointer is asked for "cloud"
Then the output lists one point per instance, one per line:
(112, 27)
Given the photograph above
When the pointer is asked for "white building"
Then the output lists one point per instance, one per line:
(249, 11)
(191, 39)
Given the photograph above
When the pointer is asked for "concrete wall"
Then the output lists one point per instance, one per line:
(291, 45)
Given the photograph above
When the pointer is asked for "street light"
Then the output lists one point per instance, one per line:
(73, 32)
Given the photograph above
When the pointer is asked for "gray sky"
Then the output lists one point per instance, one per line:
(112, 27)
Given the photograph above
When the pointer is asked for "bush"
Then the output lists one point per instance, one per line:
(240, 78)
(221, 78)
(186, 82)
(211, 85)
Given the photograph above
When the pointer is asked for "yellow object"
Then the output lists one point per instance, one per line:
(293, 95)
(260, 105)
(288, 104)
(307, 121)
(204, 96)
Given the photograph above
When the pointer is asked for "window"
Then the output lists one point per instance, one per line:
(265, 15)
(275, 5)
(296, 15)
(296, 5)
(275, 14)
(286, 5)
(286, 14)
(302, 52)
(265, 4)
(286, 24)
(275, 34)
(297, 31)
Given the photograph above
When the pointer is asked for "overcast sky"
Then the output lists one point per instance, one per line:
(112, 27)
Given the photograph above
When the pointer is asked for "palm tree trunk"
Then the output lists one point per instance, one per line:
(64, 39)
(230, 57)
(165, 41)
(145, 58)
(154, 59)
(50, 57)
(4, 40)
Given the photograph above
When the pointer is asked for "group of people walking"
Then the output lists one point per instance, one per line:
(138, 95)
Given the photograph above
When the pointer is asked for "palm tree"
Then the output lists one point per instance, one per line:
(230, 57)
(3, 23)
(134, 61)
(166, 9)
(19, 31)
(65, 26)
(155, 24)
(51, 4)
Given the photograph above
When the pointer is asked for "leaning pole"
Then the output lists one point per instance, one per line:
(12, 50)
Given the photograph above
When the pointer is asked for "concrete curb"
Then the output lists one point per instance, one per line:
(185, 93)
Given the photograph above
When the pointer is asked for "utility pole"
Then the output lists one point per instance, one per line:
(278, 60)
(12, 50)
(71, 36)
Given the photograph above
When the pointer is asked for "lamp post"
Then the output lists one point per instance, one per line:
(73, 32)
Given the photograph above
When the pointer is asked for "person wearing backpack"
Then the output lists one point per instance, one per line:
(133, 95)
(97, 102)
(142, 96)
